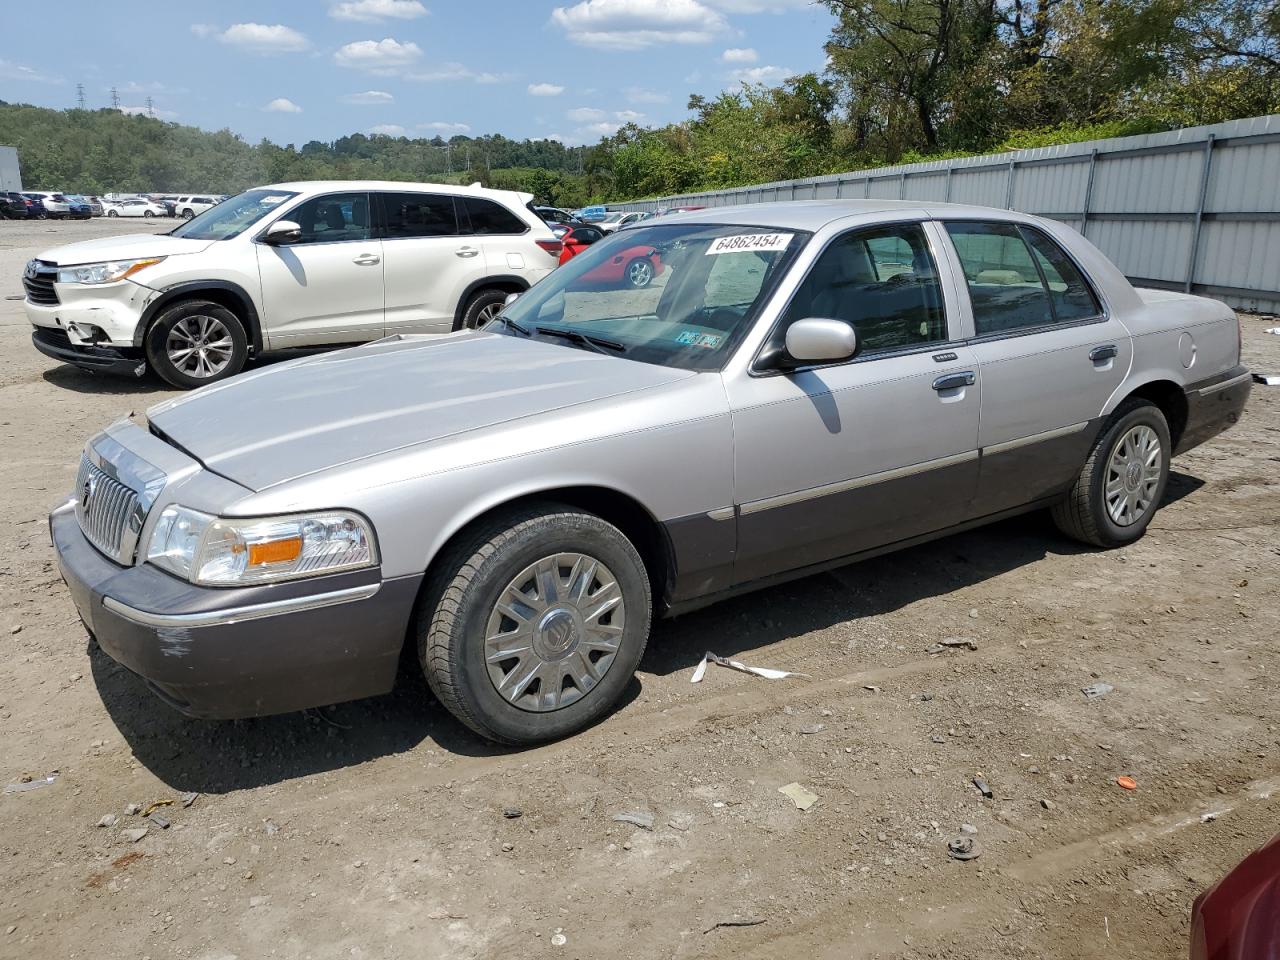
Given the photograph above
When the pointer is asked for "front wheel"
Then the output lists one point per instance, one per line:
(534, 622)
(112, 213)
(482, 308)
(148, 214)
(1122, 482)
(188, 214)
(639, 273)
(196, 342)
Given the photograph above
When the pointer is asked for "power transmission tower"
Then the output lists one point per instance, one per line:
(151, 111)
(80, 95)
(115, 99)
(448, 158)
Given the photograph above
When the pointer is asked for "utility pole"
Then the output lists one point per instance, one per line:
(80, 95)
(115, 99)
(448, 158)
(468, 155)
(151, 111)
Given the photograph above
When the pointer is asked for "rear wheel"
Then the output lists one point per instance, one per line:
(148, 214)
(482, 308)
(188, 213)
(112, 213)
(1121, 484)
(639, 273)
(197, 342)
(533, 624)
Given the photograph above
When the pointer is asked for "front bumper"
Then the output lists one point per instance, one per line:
(241, 652)
(55, 344)
(116, 309)
(1213, 406)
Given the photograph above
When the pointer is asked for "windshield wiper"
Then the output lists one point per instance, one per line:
(513, 325)
(599, 344)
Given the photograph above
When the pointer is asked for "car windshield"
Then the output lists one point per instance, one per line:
(679, 295)
(232, 217)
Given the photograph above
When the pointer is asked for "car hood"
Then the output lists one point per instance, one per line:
(298, 418)
(132, 247)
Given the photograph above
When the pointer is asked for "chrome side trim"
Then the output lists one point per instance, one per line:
(812, 493)
(1224, 385)
(216, 618)
(1034, 438)
(724, 513)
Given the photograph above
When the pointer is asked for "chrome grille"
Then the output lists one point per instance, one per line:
(39, 284)
(105, 507)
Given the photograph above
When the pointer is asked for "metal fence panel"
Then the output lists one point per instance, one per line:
(1195, 209)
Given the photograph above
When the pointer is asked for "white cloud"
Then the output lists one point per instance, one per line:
(17, 71)
(604, 128)
(740, 55)
(558, 137)
(264, 38)
(203, 29)
(545, 89)
(585, 114)
(641, 95)
(439, 126)
(387, 130)
(369, 98)
(453, 71)
(372, 10)
(282, 105)
(148, 112)
(763, 74)
(629, 116)
(757, 6)
(637, 24)
(378, 56)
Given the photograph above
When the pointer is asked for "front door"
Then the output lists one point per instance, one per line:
(1049, 355)
(326, 287)
(835, 460)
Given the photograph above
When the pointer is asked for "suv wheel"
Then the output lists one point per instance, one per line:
(533, 625)
(196, 342)
(482, 308)
(1122, 482)
(188, 213)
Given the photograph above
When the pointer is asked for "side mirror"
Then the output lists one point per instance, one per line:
(283, 232)
(816, 339)
(511, 298)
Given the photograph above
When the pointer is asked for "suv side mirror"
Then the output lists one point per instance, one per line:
(511, 298)
(282, 232)
(818, 339)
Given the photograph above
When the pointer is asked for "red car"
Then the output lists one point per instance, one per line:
(631, 266)
(1238, 918)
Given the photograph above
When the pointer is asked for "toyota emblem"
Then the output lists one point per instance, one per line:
(31, 269)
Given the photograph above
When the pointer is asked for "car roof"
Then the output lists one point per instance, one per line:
(326, 186)
(813, 215)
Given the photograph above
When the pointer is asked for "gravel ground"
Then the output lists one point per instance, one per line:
(377, 829)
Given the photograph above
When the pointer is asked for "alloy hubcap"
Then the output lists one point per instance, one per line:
(639, 273)
(554, 632)
(1133, 475)
(487, 313)
(200, 346)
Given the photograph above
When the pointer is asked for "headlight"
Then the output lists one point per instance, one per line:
(108, 272)
(216, 551)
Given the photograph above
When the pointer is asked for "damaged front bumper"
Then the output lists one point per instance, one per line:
(57, 345)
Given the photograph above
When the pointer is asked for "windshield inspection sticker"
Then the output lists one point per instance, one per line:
(749, 243)
(688, 337)
(272, 201)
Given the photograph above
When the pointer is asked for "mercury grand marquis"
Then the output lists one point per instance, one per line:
(804, 385)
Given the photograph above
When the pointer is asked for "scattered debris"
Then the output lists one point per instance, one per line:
(189, 798)
(1213, 815)
(512, 813)
(766, 672)
(25, 785)
(871, 686)
(134, 834)
(1095, 690)
(271, 827)
(1274, 330)
(156, 805)
(508, 847)
(747, 922)
(159, 821)
(109, 820)
(259, 901)
(938, 738)
(967, 643)
(812, 729)
(984, 788)
(963, 848)
(559, 940)
(968, 828)
(1267, 379)
(1127, 783)
(802, 798)
(132, 809)
(642, 820)
(1046, 804)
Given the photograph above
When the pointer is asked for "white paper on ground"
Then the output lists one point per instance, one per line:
(769, 674)
(1270, 379)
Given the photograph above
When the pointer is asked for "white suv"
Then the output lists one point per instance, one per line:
(288, 265)
(188, 207)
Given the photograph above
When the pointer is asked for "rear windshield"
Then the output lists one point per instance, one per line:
(232, 217)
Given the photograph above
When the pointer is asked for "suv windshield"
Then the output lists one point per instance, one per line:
(678, 295)
(232, 217)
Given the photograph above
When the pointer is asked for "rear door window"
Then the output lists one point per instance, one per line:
(488, 217)
(419, 215)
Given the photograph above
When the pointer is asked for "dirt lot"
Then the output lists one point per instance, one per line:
(377, 829)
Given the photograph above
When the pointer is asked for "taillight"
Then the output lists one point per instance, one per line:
(553, 247)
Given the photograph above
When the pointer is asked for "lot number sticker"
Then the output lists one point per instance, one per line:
(749, 243)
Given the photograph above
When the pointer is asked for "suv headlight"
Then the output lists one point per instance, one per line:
(108, 272)
(220, 552)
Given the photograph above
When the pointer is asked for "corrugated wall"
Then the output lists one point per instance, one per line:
(10, 176)
(1195, 209)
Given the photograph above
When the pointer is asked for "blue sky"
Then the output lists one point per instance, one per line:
(298, 70)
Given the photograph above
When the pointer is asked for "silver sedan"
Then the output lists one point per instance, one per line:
(800, 385)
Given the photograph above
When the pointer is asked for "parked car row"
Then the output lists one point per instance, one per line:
(41, 204)
(791, 387)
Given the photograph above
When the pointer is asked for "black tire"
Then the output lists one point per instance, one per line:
(112, 213)
(479, 302)
(454, 610)
(148, 214)
(188, 213)
(637, 277)
(1083, 515)
(157, 338)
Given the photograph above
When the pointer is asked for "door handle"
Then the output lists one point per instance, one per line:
(950, 381)
(466, 252)
(1107, 352)
(367, 259)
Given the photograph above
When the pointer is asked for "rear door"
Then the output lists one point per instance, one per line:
(430, 264)
(501, 236)
(327, 287)
(839, 459)
(1050, 357)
